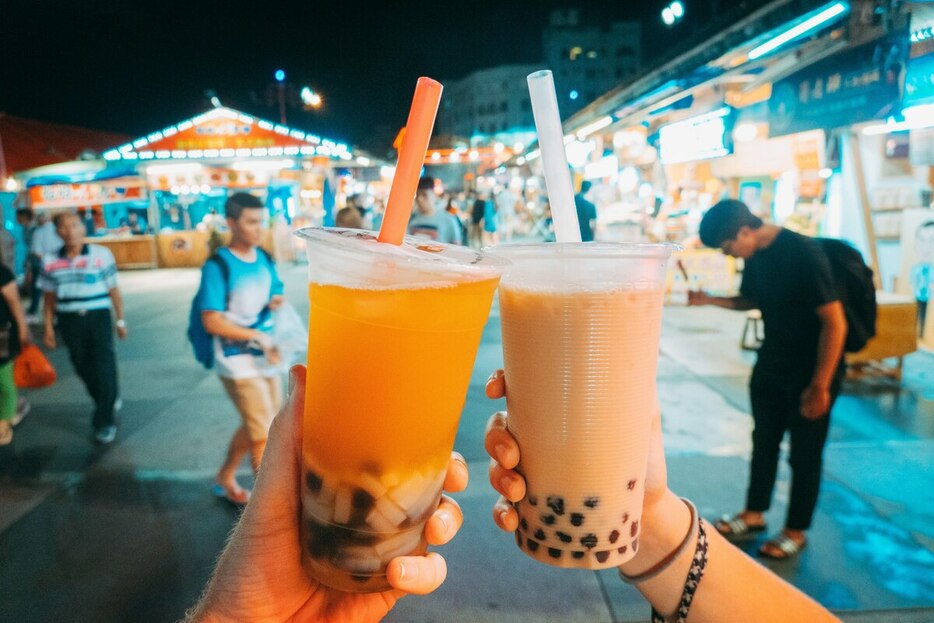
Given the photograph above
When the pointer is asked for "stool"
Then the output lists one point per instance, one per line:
(753, 325)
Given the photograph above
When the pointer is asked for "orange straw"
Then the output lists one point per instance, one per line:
(411, 157)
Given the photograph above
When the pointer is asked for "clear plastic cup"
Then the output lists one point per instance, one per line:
(581, 324)
(392, 337)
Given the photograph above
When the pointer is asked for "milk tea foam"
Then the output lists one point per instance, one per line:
(580, 359)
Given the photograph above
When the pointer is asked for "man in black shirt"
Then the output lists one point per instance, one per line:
(586, 212)
(799, 367)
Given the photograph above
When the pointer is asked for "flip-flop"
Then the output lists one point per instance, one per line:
(783, 543)
(237, 497)
(736, 526)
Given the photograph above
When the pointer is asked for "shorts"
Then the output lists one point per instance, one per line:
(257, 399)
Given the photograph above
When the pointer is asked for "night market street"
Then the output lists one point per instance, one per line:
(130, 532)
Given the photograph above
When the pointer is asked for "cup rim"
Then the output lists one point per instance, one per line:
(589, 250)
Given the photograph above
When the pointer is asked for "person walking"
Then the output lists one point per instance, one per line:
(14, 333)
(44, 241)
(240, 288)
(490, 235)
(586, 212)
(430, 222)
(79, 285)
(32, 265)
(799, 367)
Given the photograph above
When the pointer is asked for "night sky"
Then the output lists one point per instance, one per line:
(138, 66)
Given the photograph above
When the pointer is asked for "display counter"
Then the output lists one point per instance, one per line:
(129, 251)
(896, 336)
(190, 249)
(703, 269)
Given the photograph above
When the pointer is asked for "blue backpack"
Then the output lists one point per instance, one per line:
(202, 342)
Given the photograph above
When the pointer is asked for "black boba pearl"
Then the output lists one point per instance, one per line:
(361, 503)
(313, 481)
(631, 485)
(540, 535)
(532, 545)
(635, 545)
(548, 520)
(524, 524)
(533, 500)
(577, 554)
(591, 502)
(634, 529)
(589, 541)
(622, 549)
(556, 503)
(602, 556)
(625, 517)
(614, 536)
(577, 519)
(360, 578)
(518, 539)
(554, 553)
(564, 537)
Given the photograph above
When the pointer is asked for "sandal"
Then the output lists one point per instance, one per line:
(734, 526)
(6, 433)
(237, 497)
(788, 547)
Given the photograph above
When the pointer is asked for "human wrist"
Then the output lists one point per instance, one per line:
(664, 525)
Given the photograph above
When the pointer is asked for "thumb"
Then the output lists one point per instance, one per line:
(276, 494)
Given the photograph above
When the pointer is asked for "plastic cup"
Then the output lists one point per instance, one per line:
(393, 333)
(581, 324)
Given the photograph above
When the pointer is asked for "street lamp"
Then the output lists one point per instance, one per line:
(310, 98)
(673, 13)
(280, 78)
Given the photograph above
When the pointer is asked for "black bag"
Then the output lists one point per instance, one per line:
(856, 290)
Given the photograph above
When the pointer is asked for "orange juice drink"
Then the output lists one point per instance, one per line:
(581, 324)
(393, 334)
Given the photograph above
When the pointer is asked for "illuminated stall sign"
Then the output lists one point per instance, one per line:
(79, 195)
(859, 84)
(697, 138)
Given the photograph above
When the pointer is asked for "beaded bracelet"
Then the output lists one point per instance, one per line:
(695, 573)
(667, 561)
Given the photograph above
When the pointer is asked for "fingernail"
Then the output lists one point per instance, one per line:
(446, 519)
(401, 572)
(408, 575)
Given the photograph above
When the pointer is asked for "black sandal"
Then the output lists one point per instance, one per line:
(788, 547)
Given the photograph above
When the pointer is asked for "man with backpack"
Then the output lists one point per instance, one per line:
(230, 328)
(799, 368)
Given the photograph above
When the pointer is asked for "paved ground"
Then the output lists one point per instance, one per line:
(130, 533)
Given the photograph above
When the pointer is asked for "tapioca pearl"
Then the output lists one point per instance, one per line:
(361, 504)
(556, 504)
(548, 520)
(634, 529)
(625, 517)
(313, 482)
(518, 539)
(577, 519)
(532, 545)
(524, 524)
(591, 502)
(533, 500)
(566, 538)
(540, 535)
(602, 556)
(554, 553)
(357, 577)
(577, 554)
(589, 541)
(635, 545)
(614, 536)
(621, 549)
(631, 485)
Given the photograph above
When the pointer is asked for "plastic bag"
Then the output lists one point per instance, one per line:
(289, 336)
(31, 369)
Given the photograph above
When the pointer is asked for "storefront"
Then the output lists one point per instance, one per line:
(159, 200)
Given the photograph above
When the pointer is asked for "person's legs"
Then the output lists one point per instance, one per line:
(769, 407)
(7, 403)
(32, 287)
(922, 317)
(255, 402)
(74, 333)
(103, 359)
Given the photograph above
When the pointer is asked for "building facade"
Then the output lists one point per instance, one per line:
(588, 61)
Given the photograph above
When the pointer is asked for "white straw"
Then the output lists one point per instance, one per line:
(554, 160)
